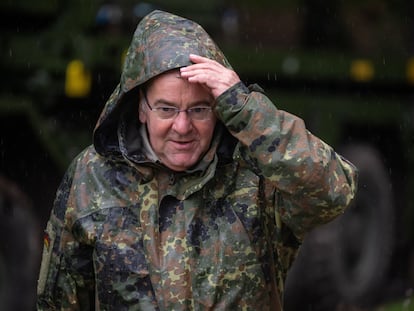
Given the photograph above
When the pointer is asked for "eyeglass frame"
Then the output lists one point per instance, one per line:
(177, 111)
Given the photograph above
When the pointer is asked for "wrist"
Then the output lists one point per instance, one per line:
(231, 101)
(233, 94)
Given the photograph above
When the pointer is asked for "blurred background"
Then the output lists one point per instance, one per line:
(345, 67)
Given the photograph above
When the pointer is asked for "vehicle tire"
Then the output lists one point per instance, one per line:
(365, 232)
(19, 249)
(345, 262)
(309, 284)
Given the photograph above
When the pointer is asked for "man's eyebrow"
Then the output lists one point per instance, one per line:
(164, 102)
(193, 104)
(201, 103)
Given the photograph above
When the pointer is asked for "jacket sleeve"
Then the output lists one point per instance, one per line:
(65, 274)
(314, 182)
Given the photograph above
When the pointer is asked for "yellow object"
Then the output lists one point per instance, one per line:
(78, 80)
(123, 57)
(410, 70)
(362, 70)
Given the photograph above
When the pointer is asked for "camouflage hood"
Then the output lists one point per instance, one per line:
(161, 42)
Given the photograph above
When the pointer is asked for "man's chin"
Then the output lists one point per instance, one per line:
(180, 164)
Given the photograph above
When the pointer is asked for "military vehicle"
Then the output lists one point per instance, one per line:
(346, 68)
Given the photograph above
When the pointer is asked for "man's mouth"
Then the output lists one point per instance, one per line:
(183, 145)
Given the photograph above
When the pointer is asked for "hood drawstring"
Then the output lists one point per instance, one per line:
(172, 179)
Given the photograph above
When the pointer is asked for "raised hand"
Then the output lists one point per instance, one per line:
(209, 73)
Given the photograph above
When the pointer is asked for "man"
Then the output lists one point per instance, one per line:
(196, 192)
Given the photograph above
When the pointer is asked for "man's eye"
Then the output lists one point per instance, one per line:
(166, 109)
(199, 109)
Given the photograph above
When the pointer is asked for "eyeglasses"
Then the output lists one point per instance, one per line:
(169, 112)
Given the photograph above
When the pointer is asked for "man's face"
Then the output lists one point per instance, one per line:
(180, 141)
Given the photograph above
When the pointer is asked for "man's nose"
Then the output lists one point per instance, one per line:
(182, 123)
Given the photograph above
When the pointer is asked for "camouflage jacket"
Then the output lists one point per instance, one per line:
(126, 233)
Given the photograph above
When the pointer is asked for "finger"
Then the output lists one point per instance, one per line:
(200, 59)
(195, 71)
(211, 67)
(214, 67)
(204, 62)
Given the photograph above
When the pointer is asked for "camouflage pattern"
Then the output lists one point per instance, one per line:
(128, 234)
